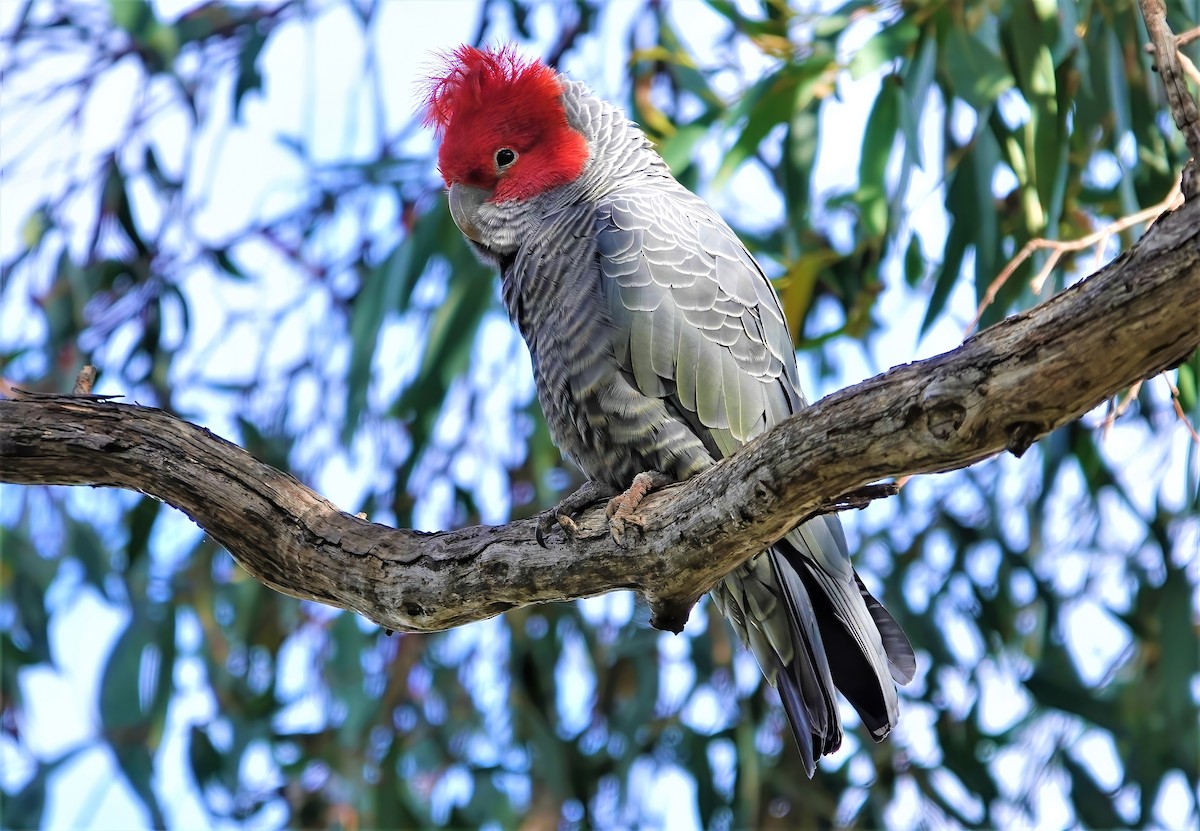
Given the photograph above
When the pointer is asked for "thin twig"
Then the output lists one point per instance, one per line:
(87, 377)
(1058, 248)
(1115, 412)
(1189, 68)
(1179, 409)
(1118, 410)
(1179, 98)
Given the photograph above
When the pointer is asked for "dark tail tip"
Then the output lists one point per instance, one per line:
(797, 716)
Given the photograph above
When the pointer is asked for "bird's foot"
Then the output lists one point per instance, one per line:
(560, 515)
(621, 507)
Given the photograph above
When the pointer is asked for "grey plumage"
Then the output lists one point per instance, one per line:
(658, 344)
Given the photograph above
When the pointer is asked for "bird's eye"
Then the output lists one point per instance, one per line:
(505, 156)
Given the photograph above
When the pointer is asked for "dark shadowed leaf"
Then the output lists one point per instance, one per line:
(249, 78)
(1093, 805)
(136, 763)
(1056, 683)
(24, 808)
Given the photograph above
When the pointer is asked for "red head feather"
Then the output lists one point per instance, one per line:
(487, 100)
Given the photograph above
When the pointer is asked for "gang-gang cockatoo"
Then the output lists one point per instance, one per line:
(658, 346)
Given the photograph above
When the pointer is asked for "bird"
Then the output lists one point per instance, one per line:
(659, 347)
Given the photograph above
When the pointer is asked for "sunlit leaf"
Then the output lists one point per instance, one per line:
(677, 150)
(978, 73)
(880, 136)
(134, 16)
(887, 45)
(769, 103)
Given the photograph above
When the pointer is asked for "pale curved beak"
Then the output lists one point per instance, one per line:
(464, 204)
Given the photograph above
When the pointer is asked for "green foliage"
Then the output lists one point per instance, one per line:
(347, 328)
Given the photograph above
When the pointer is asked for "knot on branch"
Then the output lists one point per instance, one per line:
(1021, 436)
(670, 614)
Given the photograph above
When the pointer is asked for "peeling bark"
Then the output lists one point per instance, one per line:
(1002, 389)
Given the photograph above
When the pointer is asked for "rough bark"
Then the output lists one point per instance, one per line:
(1003, 389)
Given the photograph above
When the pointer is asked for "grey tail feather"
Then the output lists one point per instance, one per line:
(902, 663)
(804, 686)
(852, 672)
(797, 716)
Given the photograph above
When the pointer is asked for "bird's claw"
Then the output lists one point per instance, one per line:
(551, 518)
(621, 508)
(560, 514)
(618, 522)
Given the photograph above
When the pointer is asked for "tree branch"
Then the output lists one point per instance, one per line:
(1001, 390)
(1168, 61)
